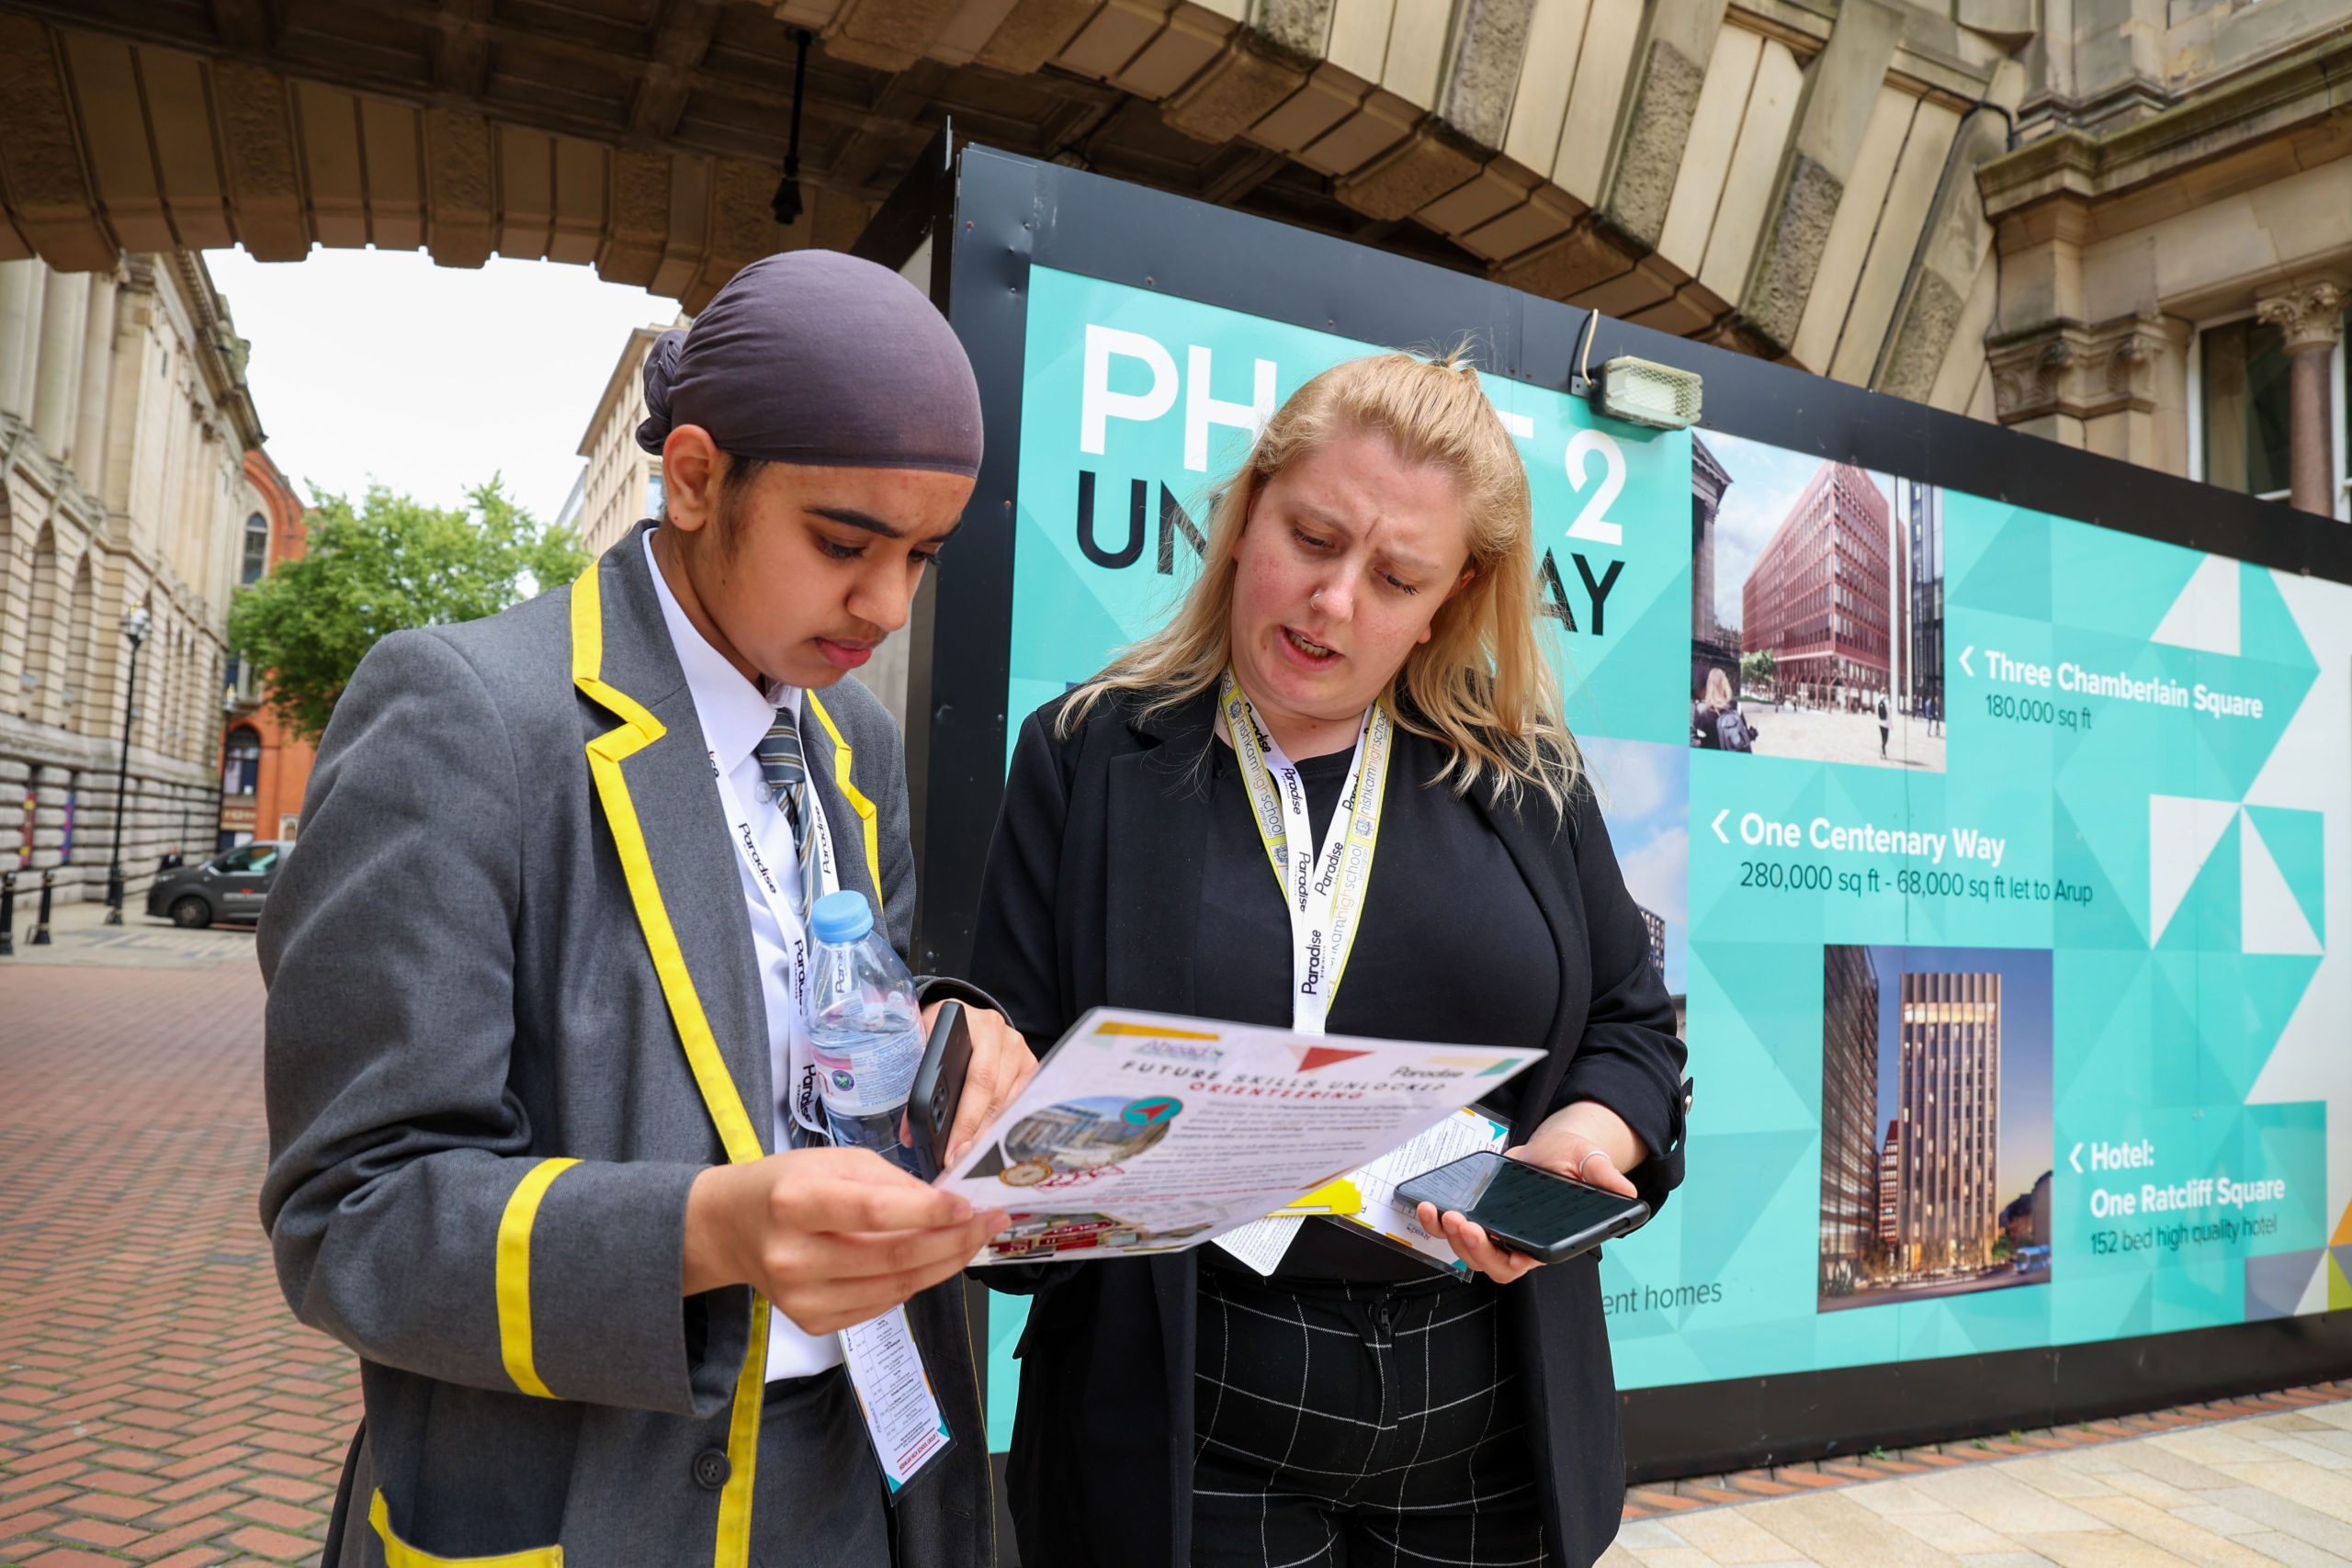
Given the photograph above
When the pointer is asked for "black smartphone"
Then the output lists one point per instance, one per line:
(1525, 1207)
(939, 1088)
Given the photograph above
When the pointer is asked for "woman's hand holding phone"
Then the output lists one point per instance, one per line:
(1584, 1141)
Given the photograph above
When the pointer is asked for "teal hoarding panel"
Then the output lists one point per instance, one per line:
(2011, 1002)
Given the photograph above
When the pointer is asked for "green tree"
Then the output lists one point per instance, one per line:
(391, 563)
(1758, 669)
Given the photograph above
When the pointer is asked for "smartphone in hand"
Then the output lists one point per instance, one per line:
(938, 1089)
(1524, 1207)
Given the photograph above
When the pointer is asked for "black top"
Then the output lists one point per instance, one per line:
(1093, 899)
(1501, 973)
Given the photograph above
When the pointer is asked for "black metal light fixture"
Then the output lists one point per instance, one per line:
(1639, 391)
(135, 626)
(221, 791)
(786, 203)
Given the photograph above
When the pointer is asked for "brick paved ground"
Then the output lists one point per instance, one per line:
(158, 1405)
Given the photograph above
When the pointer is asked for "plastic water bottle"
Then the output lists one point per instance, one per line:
(865, 1027)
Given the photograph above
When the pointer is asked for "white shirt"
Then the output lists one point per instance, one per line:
(735, 715)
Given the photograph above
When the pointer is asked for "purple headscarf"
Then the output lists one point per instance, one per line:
(819, 358)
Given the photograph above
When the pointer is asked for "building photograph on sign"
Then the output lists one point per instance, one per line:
(1935, 1104)
(1817, 593)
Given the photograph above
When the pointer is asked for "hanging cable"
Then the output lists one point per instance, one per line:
(786, 204)
(1583, 354)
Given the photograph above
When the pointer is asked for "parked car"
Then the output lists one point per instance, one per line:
(229, 886)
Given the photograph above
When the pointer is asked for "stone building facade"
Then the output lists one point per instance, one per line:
(2125, 225)
(622, 481)
(2174, 240)
(124, 423)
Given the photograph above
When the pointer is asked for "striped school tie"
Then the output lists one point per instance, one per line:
(787, 773)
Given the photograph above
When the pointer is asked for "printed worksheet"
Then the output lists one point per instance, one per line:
(1366, 1196)
(1145, 1133)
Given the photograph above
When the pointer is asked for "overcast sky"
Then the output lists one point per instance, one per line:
(1645, 791)
(379, 364)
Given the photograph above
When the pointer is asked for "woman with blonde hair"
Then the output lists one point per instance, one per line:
(1716, 723)
(1364, 630)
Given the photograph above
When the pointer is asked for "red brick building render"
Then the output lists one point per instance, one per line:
(1818, 598)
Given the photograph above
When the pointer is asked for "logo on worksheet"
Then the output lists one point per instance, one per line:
(1313, 1056)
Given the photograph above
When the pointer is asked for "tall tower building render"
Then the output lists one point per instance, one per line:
(1948, 1105)
(1850, 1151)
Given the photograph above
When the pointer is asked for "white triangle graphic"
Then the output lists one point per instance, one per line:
(2182, 831)
(2205, 616)
(2269, 917)
(2314, 1296)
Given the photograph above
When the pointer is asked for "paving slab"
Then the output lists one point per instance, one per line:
(1729, 1538)
(1993, 1499)
(1838, 1532)
(2101, 1548)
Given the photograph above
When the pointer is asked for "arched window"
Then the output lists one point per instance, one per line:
(40, 679)
(256, 549)
(241, 762)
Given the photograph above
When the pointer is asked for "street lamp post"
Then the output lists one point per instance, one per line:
(134, 627)
(220, 796)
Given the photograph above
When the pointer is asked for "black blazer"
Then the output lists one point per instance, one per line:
(1091, 899)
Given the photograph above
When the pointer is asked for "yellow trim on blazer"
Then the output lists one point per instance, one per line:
(605, 754)
(398, 1553)
(514, 1274)
(843, 758)
(719, 1095)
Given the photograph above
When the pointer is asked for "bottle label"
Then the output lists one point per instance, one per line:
(870, 1082)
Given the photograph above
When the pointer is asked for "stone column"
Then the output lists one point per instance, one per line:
(57, 386)
(2310, 316)
(16, 396)
(20, 324)
(97, 384)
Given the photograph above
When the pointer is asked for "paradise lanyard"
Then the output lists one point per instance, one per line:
(799, 1089)
(1325, 890)
(894, 1392)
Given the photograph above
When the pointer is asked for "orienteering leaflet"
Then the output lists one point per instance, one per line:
(1147, 1132)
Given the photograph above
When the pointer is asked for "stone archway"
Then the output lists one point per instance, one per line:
(1786, 181)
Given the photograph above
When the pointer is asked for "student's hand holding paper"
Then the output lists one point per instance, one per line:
(832, 1236)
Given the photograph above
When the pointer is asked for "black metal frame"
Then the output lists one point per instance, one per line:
(1000, 213)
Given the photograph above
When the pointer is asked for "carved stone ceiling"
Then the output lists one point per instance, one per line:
(643, 136)
(1791, 178)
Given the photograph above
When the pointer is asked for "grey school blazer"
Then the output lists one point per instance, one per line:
(513, 1009)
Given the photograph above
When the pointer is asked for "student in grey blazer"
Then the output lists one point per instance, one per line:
(526, 1054)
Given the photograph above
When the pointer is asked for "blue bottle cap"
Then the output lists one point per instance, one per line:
(842, 917)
